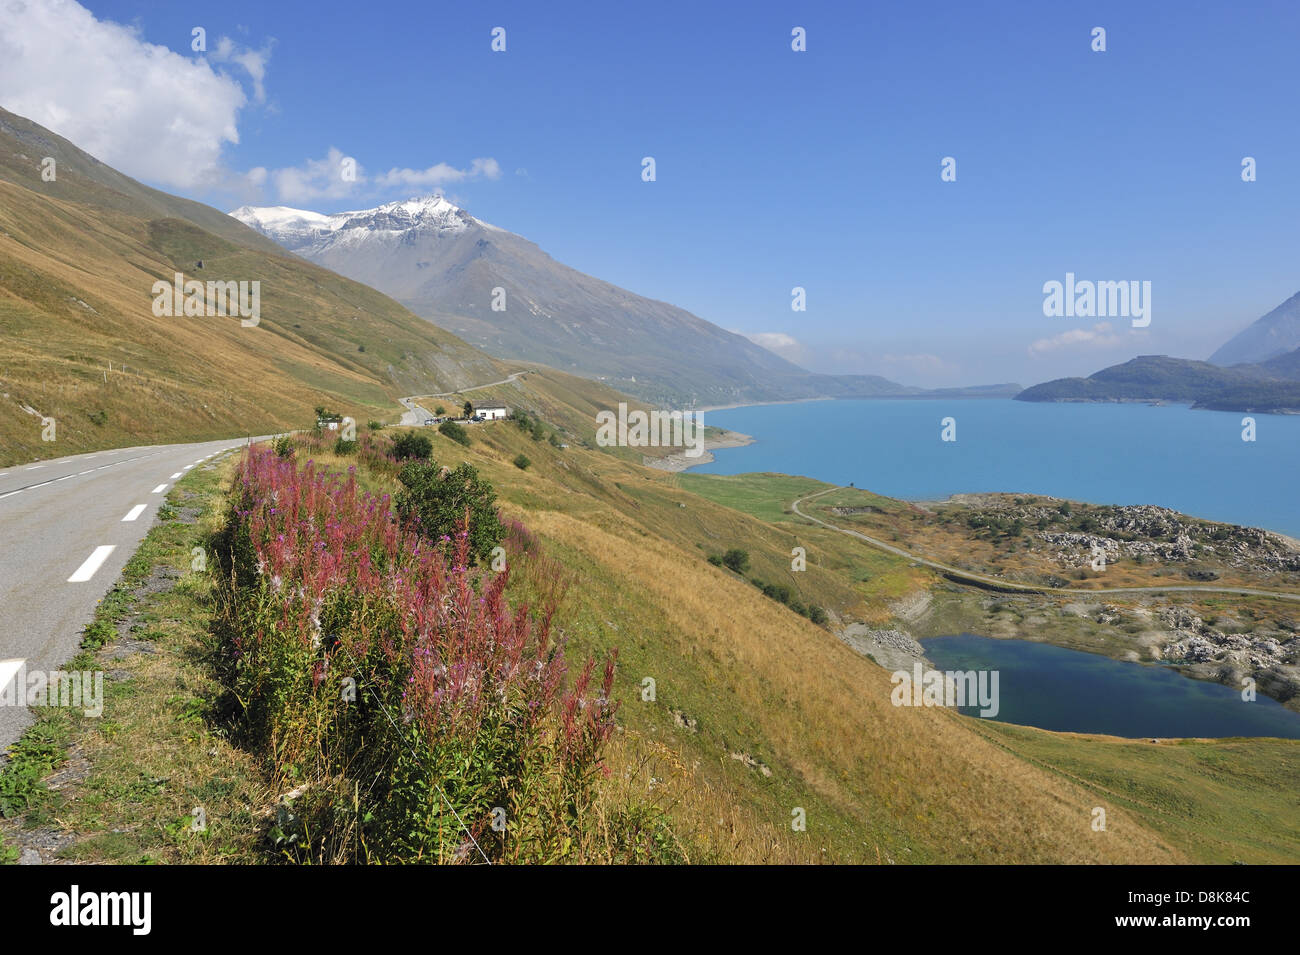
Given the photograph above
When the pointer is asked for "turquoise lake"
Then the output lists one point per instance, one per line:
(1074, 692)
(1191, 461)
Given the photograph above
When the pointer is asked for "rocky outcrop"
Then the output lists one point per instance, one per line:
(892, 649)
(1196, 642)
(1144, 531)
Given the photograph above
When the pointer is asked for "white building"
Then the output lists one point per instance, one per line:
(491, 414)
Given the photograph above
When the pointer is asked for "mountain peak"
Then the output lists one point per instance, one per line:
(1277, 333)
(423, 205)
(301, 230)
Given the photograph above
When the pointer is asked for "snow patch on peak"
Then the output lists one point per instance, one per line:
(272, 216)
(301, 230)
(424, 205)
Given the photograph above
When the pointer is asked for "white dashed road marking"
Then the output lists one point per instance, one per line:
(7, 670)
(174, 476)
(92, 564)
(159, 489)
(134, 512)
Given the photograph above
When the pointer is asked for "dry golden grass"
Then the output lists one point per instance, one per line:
(945, 789)
(76, 295)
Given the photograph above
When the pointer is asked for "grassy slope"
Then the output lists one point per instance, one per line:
(737, 674)
(750, 678)
(745, 688)
(75, 295)
(1218, 801)
(81, 178)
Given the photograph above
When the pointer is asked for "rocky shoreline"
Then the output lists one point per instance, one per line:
(1227, 647)
(679, 461)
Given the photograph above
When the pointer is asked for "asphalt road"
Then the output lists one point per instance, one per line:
(416, 414)
(67, 528)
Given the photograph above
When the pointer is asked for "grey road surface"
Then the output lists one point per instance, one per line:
(67, 528)
(416, 414)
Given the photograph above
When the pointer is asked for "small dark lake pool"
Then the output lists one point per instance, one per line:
(1075, 692)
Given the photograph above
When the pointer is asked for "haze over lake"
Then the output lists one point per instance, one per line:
(1191, 461)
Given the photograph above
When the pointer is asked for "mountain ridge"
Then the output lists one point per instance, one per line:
(1270, 336)
(1262, 388)
(506, 295)
(1270, 383)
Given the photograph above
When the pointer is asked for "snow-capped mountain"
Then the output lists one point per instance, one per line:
(501, 292)
(314, 233)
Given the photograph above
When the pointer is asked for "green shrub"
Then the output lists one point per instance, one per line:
(344, 446)
(284, 446)
(736, 559)
(376, 426)
(99, 417)
(409, 445)
(440, 504)
(818, 616)
(454, 431)
(522, 462)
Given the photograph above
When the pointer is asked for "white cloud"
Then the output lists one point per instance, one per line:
(779, 343)
(163, 116)
(440, 174)
(140, 107)
(324, 179)
(253, 62)
(317, 179)
(773, 340)
(1101, 335)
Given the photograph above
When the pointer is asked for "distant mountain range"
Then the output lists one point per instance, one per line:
(1257, 370)
(447, 265)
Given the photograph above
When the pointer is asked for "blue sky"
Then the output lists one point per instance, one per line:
(818, 169)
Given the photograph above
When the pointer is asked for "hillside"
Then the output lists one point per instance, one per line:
(1257, 370)
(758, 710)
(78, 261)
(1258, 388)
(1274, 334)
(81, 178)
(445, 264)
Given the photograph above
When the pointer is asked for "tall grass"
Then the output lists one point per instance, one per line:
(413, 714)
